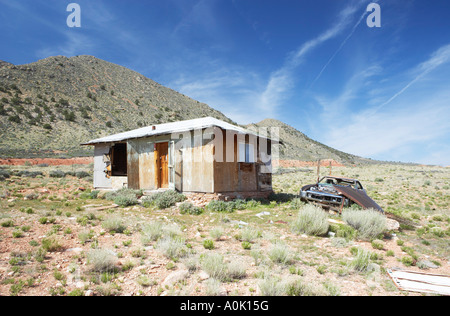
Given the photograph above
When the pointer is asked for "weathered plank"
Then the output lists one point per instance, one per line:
(421, 282)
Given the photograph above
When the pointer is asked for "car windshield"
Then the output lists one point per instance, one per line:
(343, 182)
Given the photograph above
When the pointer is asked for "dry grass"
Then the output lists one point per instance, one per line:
(157, 243)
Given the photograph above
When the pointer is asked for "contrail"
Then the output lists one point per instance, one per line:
(340, 47)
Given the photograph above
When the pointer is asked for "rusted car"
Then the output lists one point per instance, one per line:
(337, 193)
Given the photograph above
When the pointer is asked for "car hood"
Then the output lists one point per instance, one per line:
(359, 197)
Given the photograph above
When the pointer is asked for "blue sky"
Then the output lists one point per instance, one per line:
(382, 93)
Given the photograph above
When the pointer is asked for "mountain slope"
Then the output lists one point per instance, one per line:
(49, 107)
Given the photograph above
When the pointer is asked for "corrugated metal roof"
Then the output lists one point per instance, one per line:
(168, 128)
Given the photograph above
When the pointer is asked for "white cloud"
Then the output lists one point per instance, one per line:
(410, 120)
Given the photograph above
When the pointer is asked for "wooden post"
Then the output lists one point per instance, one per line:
(318, 171)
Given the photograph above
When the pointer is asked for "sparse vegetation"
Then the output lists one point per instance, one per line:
(257, 249)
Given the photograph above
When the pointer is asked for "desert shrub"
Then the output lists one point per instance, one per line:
(82, 174)
(102, 260)
(280, 253)
(343, 231)
(85, 236)
(39, 254)
(125, 200)
(151, 232)
(296, 204)
(377, 244)
(124, 197)
(76, 292)
(216, 233)
(29, 174)
(368, 223)
(253, 203)
(221, 206)
(239, 204)
(189, 208)
(4, 174)
(271, 286)
(43, 220)
(114, 224)
(236, 270)
(217, 206)
(111, 195)
(437, 231)
(362, 260)
(213, 287)
(94, 194)
(57, 174)
(8, 223)
(32, 196)
(208, 244)
(213, 264)
(249, 234)
(51, 244)
(163, 200)
(17, 234)
(171, 230)
(298, 287)
(173, 248)
(311, 220)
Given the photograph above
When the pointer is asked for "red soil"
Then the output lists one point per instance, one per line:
(49, 161)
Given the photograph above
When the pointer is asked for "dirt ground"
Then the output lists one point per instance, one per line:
(48, 161)
(321, 264)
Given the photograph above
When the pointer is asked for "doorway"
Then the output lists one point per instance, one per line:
(162, 165)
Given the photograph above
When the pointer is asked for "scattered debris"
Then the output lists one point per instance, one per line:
(420, 282)
(101, 208)
(262, 214)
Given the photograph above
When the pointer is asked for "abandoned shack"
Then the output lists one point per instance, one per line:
(203, 155)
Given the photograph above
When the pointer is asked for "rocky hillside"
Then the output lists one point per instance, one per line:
(298, 146)
(49, 107)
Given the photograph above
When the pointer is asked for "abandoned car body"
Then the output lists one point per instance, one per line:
(203, 155)
(337, 193)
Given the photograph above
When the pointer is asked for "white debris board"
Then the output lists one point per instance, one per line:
(421, 282)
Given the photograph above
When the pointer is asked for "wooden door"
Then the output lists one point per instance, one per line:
(162, 165)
